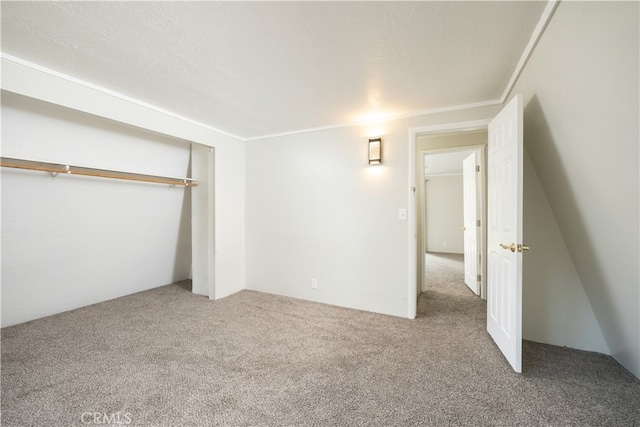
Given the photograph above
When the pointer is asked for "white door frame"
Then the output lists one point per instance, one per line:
(203, 220)
(415, 260)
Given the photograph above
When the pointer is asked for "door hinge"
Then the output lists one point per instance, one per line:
(477, 168)
(477, 222)
(479, 278)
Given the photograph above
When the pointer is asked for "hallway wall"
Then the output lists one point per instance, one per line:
(444, 214)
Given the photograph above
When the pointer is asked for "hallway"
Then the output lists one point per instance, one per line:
(445, 292)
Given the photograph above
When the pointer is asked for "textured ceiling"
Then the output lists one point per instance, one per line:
(259, 68)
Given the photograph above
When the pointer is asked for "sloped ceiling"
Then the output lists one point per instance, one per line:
(252, 69)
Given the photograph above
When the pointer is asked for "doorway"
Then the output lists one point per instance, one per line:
(453, 206)
(440, 139)
(453, 213)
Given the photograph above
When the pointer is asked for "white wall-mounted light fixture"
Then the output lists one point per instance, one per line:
(375, 151)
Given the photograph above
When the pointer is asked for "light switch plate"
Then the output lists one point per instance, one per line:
(402, 215)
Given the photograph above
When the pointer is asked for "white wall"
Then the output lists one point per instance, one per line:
(71, 241)
(444, 214)
(581, 132)
(556, 309)
(316, 209)
(229, 168)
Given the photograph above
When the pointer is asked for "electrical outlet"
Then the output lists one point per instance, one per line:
(314, 283)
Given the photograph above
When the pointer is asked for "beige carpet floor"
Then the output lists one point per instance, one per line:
(166, 357)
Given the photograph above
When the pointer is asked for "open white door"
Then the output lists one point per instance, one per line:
(504, 247)
(471, 226)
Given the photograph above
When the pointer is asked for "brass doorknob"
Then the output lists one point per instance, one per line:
(511, 246)
(520, 247)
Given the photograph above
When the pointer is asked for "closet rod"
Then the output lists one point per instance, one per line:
(55, 168)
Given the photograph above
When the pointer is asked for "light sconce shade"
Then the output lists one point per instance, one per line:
(375, 151)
